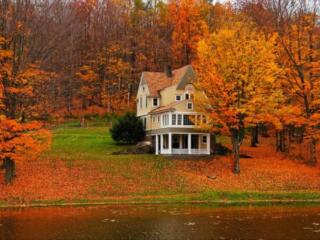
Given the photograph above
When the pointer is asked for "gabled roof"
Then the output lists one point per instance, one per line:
(167, 108)
(157, 81)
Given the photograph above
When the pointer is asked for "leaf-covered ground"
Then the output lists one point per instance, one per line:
(80, 168)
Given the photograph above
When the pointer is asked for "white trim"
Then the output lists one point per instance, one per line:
(170, 143)
(189, 143)
(157, 144)
(208, 144)
(158, 100)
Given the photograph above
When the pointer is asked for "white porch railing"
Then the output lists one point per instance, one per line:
(184, 151)
(199, 151)
(179, 150)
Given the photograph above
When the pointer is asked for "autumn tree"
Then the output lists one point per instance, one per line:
(20, 142)
(301, 57)
(236, 68)
(188, 28)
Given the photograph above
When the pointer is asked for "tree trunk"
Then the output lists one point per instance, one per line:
(10, 170)
(213, 143)
(254, 136)
(235, 139)
(313, 152)
(277, 141)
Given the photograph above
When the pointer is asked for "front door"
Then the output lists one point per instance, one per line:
(194, 141)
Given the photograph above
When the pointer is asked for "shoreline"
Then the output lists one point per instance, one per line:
(232, 199)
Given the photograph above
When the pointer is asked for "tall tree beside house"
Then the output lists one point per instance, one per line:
(236, 67)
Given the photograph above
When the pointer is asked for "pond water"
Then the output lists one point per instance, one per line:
(160, 222)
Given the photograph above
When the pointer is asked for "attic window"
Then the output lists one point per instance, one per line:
(178, 97)
(142, 88)
(187, 96)
(155, 102)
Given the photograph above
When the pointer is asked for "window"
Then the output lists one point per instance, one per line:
(186, 96)
(174, 119)
(190, 106)
(178, 97)
(155, 102)
(146, 101)
(153, 119)
(204, 139)
(144, 123)
(142, 88)
(140, 102)
(187, 120)
(165, 119)
(158, 119)
(179, 119)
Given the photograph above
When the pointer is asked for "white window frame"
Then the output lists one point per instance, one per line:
(157, 99)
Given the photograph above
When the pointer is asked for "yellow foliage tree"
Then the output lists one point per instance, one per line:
(237, 69)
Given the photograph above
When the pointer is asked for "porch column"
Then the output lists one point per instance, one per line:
(157, 144)
(208, 144)
(170, 143)
(189, 143)
(161, 143)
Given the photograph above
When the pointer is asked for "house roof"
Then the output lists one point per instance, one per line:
(157, 81)
(167, 108)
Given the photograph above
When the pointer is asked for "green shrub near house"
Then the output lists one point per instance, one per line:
(127, 129)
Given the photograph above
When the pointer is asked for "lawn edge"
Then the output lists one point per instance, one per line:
(214, 198)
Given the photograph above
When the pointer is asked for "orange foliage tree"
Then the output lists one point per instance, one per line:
(237, 69)
(300, 55)
(188, 28)
(18, 141)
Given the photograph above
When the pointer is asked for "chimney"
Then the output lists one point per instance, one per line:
(168, 70)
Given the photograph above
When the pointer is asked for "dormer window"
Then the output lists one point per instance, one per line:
(178, 97)
(186, 96)
(155, 102)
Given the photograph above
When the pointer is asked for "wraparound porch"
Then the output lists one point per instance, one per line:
(182, 143)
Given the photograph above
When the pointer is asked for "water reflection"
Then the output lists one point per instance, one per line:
(160, 222)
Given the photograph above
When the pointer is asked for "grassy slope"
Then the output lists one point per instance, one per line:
(80, 168)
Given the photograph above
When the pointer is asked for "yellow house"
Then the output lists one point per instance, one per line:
(165, 104)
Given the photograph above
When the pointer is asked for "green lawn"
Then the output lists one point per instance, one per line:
(86, 153)
(92, 143)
